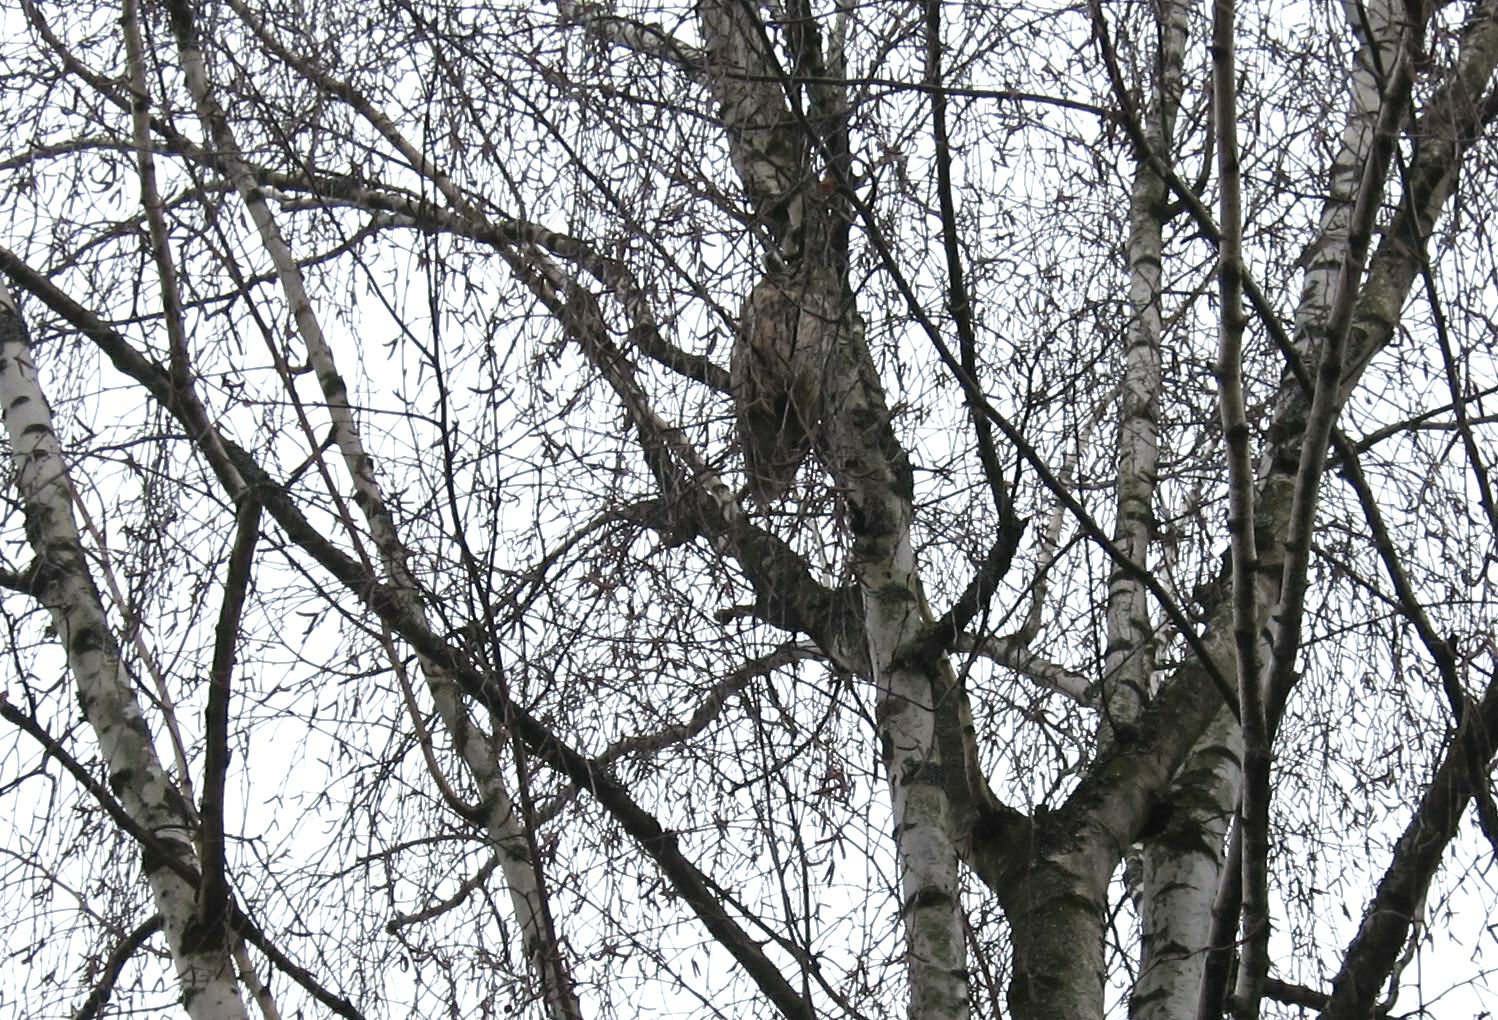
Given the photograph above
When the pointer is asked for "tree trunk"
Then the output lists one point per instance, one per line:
(65, 587)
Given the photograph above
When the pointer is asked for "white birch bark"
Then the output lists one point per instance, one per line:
(1129, 661)
(1374, 25)
(1377, 26)
(1323, 258)
(205, 973)
(502, 822)
(1253, 810)
(918, 762)
(771, 152)
(1180, 873)
(1381, 86)
(766, 145)
(1178, 866)
(1179, 912)
(1447, 121)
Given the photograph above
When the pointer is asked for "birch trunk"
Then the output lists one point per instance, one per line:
(1129, 660)
(205, 972)
(1178, 866)
(1057, 912)
(772, 151)
(1210, 796)
(873, 470)
(1181, 870)
(1161, 740)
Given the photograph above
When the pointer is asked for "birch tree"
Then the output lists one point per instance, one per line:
(596, 509)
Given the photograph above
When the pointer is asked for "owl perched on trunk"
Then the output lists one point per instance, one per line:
(787, 329)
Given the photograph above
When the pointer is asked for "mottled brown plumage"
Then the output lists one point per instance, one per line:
(786, 330)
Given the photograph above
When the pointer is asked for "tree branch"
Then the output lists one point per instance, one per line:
(659, 844)
(1372, 953)
(114, 963)
(165, 853)
(213, 892)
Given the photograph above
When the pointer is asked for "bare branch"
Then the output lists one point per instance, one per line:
(114, 963)
(213, 893)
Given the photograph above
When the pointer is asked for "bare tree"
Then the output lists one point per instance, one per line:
(747, 509)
